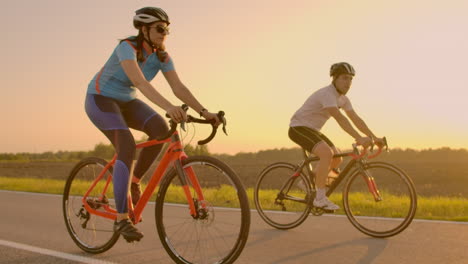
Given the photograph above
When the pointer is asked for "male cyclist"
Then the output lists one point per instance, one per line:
(306, 123)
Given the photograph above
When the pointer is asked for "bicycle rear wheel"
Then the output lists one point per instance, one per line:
(219, 231)
(383, 217)
(92, 233)
(281, 199)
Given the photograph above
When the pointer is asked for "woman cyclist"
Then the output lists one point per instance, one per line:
(306, 123)
(112, 106)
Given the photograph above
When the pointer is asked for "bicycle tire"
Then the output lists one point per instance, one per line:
(217, 178)
(384, 218)
(270, 205)
(75, 214)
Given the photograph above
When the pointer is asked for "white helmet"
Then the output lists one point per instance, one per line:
(148, 15)
(341, 68)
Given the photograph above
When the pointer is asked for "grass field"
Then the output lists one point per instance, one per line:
(431, 178)
(433, 208)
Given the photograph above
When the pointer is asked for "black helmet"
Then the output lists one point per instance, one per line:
(148, 15)
(341, 68)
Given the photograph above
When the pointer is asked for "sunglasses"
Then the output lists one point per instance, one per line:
(161, 29)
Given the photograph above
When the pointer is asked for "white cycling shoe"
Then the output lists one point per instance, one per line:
(301, 185)
(324, 203)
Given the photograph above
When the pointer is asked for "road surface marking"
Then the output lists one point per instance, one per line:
(53, 253)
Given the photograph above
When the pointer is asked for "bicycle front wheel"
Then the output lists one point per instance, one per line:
(386, 214)
(219, 231)
(282, 200)
(92, 233)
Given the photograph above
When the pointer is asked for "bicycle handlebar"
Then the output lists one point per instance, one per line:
(380, 148)
(355, 150)
(214, 129)
(354, 155)
(191, 119)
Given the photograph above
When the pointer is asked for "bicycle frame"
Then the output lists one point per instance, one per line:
(172, 157)
(357, 160)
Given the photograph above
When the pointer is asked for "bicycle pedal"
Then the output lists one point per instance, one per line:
(133, 219)
(141, 220)
(132, 240)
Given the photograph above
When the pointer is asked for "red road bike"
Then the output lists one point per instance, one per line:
(202, 212)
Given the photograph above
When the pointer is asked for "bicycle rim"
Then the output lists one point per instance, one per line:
(92, 233)
(389, 216)
(219, 233)
(282, 200)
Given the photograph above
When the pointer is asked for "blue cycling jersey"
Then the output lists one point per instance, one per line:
(111, 80)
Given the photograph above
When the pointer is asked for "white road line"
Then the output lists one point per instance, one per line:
(53, 253)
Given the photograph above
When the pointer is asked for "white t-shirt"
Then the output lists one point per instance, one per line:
(313, 114)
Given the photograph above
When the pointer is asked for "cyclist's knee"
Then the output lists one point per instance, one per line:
(124, 145)
(323, 151)
(156, 127)
(336, 160)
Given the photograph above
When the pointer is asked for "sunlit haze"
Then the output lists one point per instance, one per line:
(256, 60)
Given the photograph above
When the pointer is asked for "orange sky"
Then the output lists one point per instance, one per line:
(256, 60)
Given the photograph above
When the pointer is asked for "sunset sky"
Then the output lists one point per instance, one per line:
(256, 60)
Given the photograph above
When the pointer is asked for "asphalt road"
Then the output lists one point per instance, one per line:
(32, 230)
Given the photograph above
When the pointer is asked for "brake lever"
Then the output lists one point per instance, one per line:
(224, 125)
(223, 120)
(224, 129)
(385, 145)
(354, 155)
(182, 124)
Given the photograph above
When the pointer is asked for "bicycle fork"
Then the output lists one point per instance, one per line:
(371, 185)
(187, 176)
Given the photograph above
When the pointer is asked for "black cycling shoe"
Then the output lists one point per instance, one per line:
(135, 191)
(128, 230)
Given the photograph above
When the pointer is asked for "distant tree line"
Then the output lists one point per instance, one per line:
(105, 151)
(48, 156)
(426, 155)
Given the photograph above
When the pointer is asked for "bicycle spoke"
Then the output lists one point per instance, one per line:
(214, 234)
(389, 209)
(97, 235)
(281, 197)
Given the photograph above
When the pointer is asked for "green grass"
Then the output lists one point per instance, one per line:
(32, 185)
(433, 208)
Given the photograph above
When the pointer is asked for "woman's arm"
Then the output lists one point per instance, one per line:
(132, 70)
(184, 94)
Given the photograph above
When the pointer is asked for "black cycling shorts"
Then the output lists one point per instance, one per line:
(307, 138)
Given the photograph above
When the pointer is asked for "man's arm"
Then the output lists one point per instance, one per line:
(360, 124)
(343, 122)
(346, 126)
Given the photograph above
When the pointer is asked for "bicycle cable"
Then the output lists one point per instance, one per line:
(186, 134)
